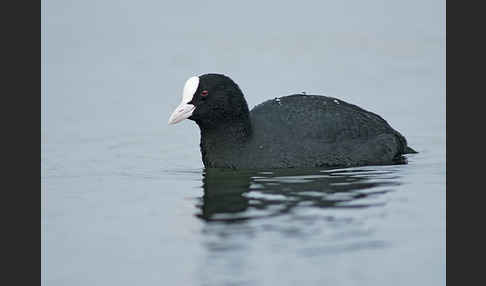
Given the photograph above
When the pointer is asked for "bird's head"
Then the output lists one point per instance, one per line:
(210, 100)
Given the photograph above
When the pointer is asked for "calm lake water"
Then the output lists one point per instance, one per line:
(127, 201)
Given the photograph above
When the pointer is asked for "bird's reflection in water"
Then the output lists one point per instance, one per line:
(232, 196)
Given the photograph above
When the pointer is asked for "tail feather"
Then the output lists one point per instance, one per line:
(409, 150)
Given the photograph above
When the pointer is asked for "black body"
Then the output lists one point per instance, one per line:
(289, 132)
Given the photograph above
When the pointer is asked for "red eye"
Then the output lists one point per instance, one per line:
(204, 93)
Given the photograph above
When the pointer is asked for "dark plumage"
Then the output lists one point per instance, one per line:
(292, 131)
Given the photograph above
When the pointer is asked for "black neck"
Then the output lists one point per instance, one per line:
(219, 142)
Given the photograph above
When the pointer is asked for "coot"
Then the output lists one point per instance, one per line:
(298, 130)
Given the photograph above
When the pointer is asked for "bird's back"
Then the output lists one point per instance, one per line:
(315, 131)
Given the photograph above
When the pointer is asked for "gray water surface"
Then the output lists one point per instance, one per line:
(126, 199)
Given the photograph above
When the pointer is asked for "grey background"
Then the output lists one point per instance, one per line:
(119, 186)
